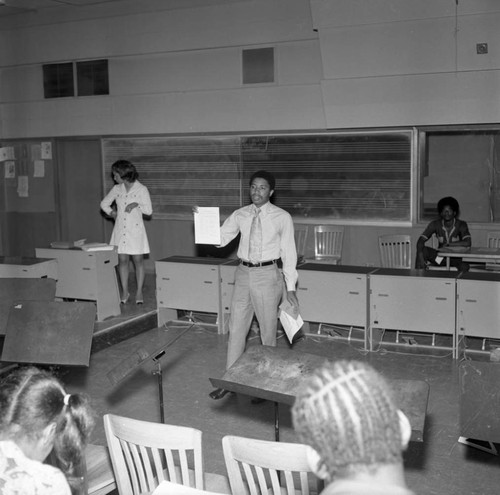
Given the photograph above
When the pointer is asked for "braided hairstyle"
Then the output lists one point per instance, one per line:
(345, 411)
(31, 399)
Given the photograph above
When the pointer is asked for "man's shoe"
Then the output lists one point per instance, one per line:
(218, 393)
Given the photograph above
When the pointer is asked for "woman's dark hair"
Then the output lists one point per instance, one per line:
(448, 201)
(125, 169)
(267, 176)
(31, 399)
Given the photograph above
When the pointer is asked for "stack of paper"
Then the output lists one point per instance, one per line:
(96, 246)
(291, 323)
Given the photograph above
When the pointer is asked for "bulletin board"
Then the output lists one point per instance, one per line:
(27, 176)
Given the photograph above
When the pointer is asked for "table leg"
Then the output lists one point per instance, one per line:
(276, 422)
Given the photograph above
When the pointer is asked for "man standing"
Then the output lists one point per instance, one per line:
(266, 237)
(449, 231)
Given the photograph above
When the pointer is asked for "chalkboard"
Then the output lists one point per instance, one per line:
(180, 172)
(337, 175)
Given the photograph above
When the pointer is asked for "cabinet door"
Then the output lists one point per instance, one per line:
(414, 304)
(479, 308)
(227, 273)
(189, 286)
(329, 297)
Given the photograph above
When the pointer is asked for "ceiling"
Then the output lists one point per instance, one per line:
(18, 7)
(12, 7)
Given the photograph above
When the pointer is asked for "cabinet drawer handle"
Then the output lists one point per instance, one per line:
(383, 295)
(471, 300)
(441, 298)
(303, 288)
(106, 262)
(85, 268)
(165, 278)
(207, 282)
(353, 292)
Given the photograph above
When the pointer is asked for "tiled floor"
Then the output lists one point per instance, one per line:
(439, 465)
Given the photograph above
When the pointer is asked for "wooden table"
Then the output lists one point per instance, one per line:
(100, 478)
(16, 267)
(275, 373)
(477, 254)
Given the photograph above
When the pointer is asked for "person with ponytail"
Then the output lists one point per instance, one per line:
(39, 418)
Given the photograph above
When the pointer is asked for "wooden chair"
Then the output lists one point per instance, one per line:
(493, 239)
(301, 232)
(395, 251)
(328, 241)
(144, 453)
(274, 468)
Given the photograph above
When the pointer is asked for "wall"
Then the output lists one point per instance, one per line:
(176, 69)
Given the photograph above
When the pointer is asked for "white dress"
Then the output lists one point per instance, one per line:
(129, 233)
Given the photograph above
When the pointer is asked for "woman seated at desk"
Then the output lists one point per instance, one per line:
(450, 233)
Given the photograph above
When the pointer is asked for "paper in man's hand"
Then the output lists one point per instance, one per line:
(291, 324)
(207, 225)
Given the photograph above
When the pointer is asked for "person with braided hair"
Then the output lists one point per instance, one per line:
(346, 413)
(38, 418)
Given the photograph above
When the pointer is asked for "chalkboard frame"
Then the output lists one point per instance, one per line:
(344, 177)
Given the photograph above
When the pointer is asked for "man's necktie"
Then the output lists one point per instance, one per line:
(255, 248)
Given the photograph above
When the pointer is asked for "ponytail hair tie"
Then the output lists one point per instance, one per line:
(66, 399)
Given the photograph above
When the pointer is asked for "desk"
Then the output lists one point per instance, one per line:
(275, 373)
(88, 276)
(188, 283)
(15, 267)
(413, 300)
(100, 478)
(477, 254)
(335, 294)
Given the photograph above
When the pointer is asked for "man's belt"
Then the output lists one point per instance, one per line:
(256, 265)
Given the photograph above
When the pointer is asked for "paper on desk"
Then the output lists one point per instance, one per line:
(207, 226)
(290, 323)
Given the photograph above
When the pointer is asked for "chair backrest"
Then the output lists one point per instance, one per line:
(328, 241)
(144, 453)
(274, 468)
(169, 488)
(493, 239)
(301, 232)
(395, 251)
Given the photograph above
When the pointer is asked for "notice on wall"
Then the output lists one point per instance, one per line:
(38, 168)
(9, 170)
(6, 153)
(22, 186)
(46, 151)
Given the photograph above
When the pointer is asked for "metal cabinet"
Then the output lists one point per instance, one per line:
(413, 300)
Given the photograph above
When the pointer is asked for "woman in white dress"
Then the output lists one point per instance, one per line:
(127, 202)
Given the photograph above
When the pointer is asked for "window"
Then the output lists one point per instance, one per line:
(92, 77)
(462, 163)
(258, 65)
(58, 80)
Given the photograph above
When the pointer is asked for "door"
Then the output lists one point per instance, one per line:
(80, 189)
